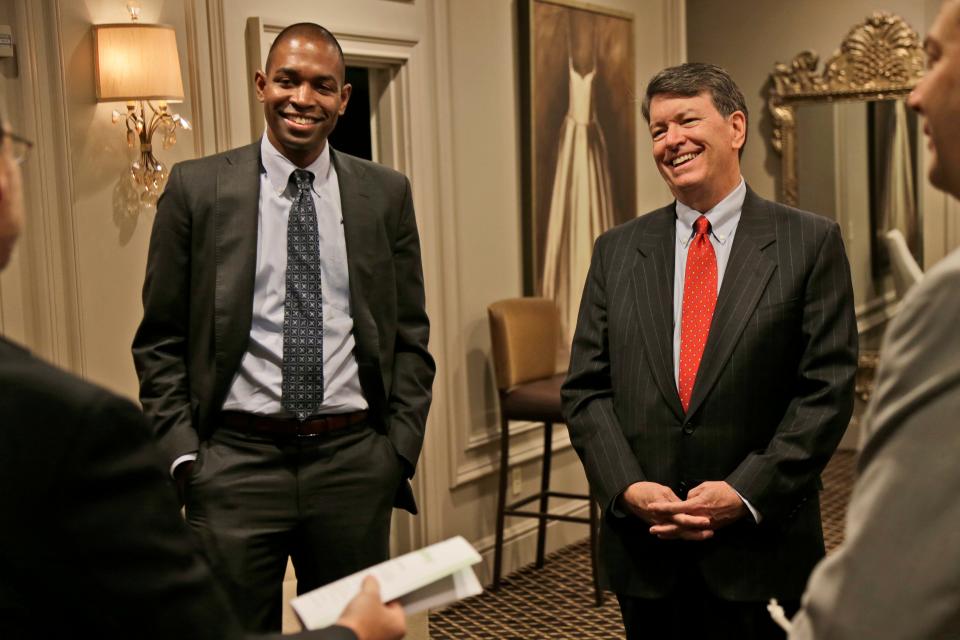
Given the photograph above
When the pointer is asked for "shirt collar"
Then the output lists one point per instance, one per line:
(278, 168)
(723, 217)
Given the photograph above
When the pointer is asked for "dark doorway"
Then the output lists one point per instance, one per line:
(352, 133)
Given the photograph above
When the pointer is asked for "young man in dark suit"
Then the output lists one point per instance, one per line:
(92, 544)
(711, 379)
(283, 351)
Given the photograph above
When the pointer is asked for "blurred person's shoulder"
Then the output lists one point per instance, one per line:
(39, 393)
(939, 288)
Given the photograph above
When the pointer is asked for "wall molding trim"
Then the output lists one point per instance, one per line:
(452, 350)
(52, 290)
(517, 429)
(219, 75)
(376, 42)
(481, 466)
(193, 20)
(675, 31)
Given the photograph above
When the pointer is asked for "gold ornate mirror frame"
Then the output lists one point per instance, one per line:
(879, 59)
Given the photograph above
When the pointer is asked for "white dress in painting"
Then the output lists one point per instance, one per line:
(581, 207)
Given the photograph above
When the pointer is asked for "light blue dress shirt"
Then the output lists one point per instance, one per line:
(256, 388)
(724, 218)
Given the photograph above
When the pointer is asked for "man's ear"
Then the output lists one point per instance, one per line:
(738, 122)
(260, 83)
(345, 91)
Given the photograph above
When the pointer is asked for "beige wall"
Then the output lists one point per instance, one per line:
(73, 292)
(749, 36)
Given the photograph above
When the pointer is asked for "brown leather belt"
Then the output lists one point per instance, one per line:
(289, 427)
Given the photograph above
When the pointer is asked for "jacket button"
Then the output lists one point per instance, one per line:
(688, 430)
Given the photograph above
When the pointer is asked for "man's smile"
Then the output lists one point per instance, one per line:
(299, 120)
(684, 158)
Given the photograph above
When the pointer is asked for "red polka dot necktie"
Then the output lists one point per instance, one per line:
(699, 300)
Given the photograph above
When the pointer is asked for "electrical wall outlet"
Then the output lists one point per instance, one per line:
(516, 481)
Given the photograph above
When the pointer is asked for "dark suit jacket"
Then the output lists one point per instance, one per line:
(92, 544)
(198, 298)
(771, 401)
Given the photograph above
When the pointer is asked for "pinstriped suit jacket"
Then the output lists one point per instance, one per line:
(771, 401)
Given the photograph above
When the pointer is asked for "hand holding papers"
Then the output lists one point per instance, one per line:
(430, 577)
(369, 618)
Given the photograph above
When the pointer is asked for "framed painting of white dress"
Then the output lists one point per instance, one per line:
(579, 140)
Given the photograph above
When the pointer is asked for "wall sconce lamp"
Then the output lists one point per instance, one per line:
(138, 63)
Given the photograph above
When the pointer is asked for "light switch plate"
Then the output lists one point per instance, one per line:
(6, 41)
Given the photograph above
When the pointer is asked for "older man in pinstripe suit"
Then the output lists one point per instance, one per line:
(711, 379)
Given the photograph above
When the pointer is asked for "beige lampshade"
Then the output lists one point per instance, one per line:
(136, 62)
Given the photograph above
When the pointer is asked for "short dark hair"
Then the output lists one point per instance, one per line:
(309, 30)
(693, 78)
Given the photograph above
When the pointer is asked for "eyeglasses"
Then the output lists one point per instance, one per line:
(19, 146)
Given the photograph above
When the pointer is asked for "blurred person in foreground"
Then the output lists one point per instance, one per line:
(897, 574)
(92, 543)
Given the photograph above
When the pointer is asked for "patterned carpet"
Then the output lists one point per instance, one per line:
(557, 600)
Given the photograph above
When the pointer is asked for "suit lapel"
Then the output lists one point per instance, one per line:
(747, 274)
(237, 209)
(653, 296)
(360, 231)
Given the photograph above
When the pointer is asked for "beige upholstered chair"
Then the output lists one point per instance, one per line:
(906, 271)
(525, 335)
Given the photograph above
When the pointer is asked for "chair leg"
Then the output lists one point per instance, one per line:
(544, 488)
(594, 552)
(501, 500)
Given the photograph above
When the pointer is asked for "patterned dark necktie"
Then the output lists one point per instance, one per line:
(699, 300)
(302, 388)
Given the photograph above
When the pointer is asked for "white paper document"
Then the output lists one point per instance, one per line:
(428, 578)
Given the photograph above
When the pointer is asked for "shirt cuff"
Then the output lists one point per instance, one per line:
(191, 457)
(756, 514)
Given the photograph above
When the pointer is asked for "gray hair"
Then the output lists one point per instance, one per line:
(693, 78)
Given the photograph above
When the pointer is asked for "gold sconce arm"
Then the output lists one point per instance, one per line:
(149, 174)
